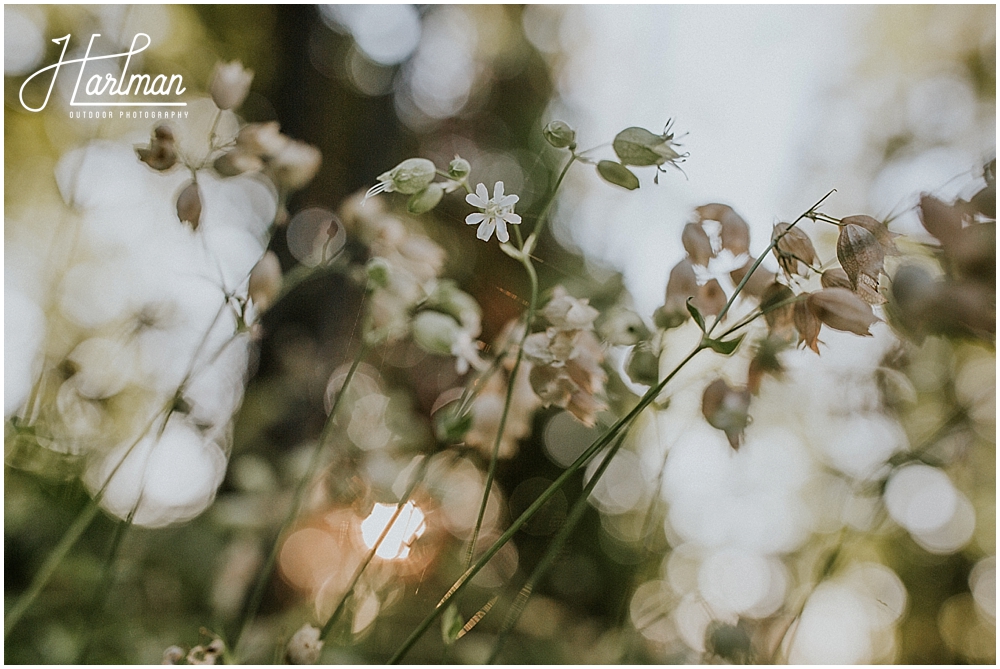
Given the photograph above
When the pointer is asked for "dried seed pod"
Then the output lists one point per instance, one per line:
(697, 244)
(725, 409)
(162, 151)
(835, 277)
(759, 280)
(189, 205)
(237, 162)
(265, 281)
(941, 220)
(735, 232)
(808, 326)
(780, 319)
(765, 361)
(793, 249)
(841, 309)
(861, 257)
(886, 239)
(710, 299)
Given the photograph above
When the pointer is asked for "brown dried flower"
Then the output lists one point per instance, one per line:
(835, 277)
(697, 244)
(162, 151)
(726, 409)
(759, 280)
(808, 325)
(942, 220)
(794, 250)
(780, 319)
(862, 258)
(711, 299)
(886, 239)
(735, 232)
(189, 205)
(841, 309)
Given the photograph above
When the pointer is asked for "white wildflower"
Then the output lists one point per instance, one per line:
(497, 212)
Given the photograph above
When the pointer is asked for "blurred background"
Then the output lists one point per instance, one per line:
(776, 106)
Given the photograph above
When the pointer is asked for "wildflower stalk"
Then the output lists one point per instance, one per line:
(264, 577)
(539, 502)
(553, 551)
(417, 477)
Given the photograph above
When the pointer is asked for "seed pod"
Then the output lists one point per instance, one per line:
(725, 409)
(885, 238)
(759, 280)
(265, 281)
(861, 257)
(941, 220)
(162, 151)
(779, 318)
(735, 232)
(435, 332)
(425, 200)
(189, 205)
(237, 162)
(808, 325)
(835, 277)
(794, 248)
(841, 309)
(640, 147)
(697, 244)
(230, 84)
(710, 299)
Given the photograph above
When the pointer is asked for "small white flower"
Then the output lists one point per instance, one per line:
(466, 352)
(497, 213)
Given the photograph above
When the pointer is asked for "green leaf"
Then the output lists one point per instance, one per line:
(640, 147)
(451, 625)
(617, 174)
(723, 347)
(695, 314)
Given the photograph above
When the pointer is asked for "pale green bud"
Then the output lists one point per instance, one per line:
(410, 176)
(459, 168)
(425, 200)
(560, 135)
(378, 271)
(435, 332)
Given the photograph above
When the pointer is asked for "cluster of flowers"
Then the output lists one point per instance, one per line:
(132, 363)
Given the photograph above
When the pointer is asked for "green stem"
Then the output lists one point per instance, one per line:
(494, 455)
(540, 221)
(529, 513)
(263, 578)
(553, 551)
(760, 259)
(417, 477)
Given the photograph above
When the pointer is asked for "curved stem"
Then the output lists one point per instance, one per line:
(540, 221)
(553, 551)
(494, 455)
(265, 573)
(529, 513)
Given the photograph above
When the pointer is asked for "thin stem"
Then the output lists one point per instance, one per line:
(417, 477)
(553, 551)
(494, 455)
(529, 513)
(265, 573)
(540, 221)
(760, 259)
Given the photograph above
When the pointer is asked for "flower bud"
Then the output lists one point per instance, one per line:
(697, 244)
(379, 272)
(425, 200)
(162, 151)
(793, 249)
(435, 332)
(450, 427)
(623, 327)
(189, 205)
(725, 409)
(459, 168)
(265, 281)
(409, 177)
(835, 277)
(305, 646)
(237, 161)
(841, 309)
(262, 139)
(295, 165)
(230, 84)
(861, 257)
(560, 135)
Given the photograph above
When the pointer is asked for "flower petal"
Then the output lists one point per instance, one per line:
(511, 218)
(482, 192)
(475, 201)
(474, 219)
(508, 200)
(498, 191)
(502, 231)
(486, 229)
